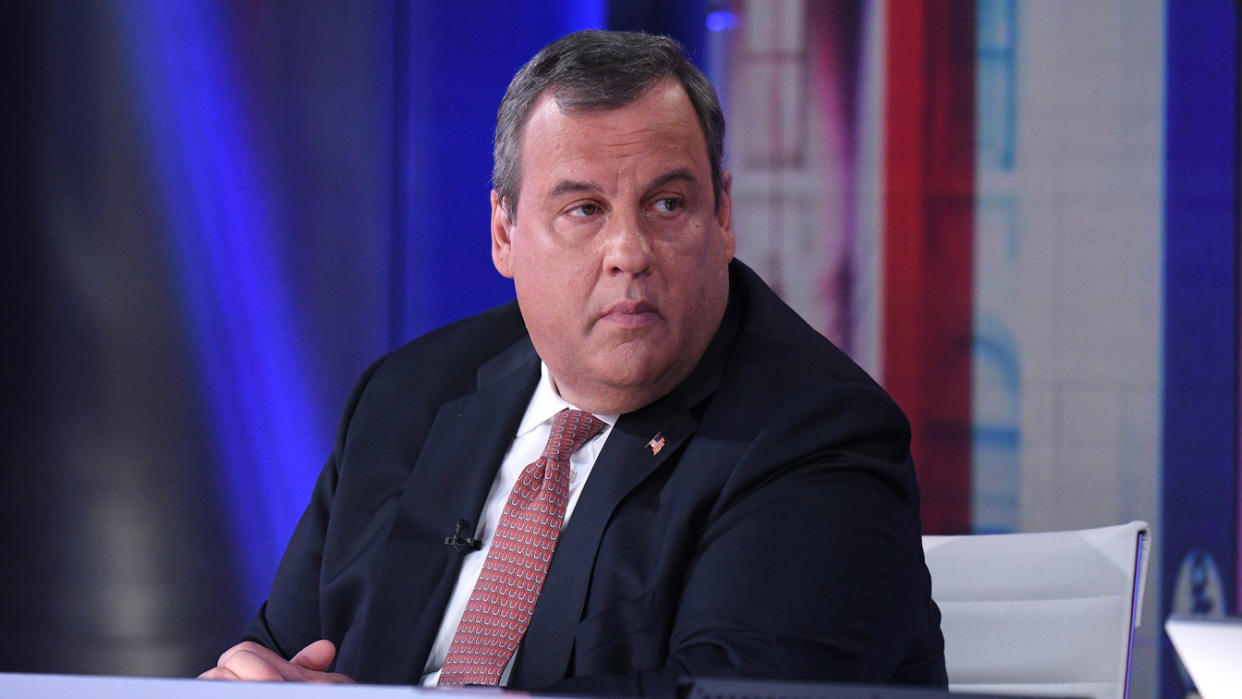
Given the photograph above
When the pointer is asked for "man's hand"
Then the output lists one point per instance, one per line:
(252, 662)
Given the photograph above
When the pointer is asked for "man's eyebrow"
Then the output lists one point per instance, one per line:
(674, 176)
(574, 187)
(571, 187)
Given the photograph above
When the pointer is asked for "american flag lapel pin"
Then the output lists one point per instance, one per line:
(656, 443)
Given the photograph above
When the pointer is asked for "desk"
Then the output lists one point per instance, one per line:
(24, 686)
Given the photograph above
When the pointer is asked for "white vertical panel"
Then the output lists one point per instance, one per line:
(1087, 287)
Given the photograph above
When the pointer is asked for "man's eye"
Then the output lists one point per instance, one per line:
(668, 205)
(584, 210)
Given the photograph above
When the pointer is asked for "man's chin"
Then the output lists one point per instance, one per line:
(637, 388)
(619, 377)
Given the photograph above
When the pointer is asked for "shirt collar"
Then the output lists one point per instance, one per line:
(546, 403)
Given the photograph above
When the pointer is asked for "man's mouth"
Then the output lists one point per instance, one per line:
(631, 314)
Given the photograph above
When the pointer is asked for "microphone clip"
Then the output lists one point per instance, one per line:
(461, 540)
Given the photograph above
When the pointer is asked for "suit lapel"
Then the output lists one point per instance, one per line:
(449, 481)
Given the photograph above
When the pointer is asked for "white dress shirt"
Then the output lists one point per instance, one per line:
(528, 443)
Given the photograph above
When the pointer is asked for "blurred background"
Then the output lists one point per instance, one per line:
(1022, 217)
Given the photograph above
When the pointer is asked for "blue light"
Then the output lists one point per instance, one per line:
(221, 228)
(721, 21)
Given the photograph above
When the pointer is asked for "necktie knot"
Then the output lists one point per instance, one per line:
(570, 430)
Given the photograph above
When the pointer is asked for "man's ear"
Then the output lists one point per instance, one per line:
(502, 237)
(724, 212)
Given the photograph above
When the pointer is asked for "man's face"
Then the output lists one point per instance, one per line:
(618, 253)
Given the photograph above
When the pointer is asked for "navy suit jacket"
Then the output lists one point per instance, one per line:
(775, 535)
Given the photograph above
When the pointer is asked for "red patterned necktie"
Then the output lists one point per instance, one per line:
(504, 597)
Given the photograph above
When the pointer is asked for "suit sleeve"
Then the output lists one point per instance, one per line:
(289, 619)
(810, 567)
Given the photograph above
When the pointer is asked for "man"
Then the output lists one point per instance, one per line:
(737, 497)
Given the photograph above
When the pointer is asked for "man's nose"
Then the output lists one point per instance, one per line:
(628, 245)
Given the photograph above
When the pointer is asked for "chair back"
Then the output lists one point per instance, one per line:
(1040, 614)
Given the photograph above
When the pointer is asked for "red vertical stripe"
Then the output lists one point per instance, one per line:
(929, 256)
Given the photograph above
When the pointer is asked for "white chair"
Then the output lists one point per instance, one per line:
(1040, 614)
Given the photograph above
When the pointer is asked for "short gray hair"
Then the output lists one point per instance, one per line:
(599, 70)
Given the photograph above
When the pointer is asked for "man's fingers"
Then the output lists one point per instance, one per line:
(258, 668)
(253, 662)
(317, 656)
(218, 673)
(329, 678)
(247, 647)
